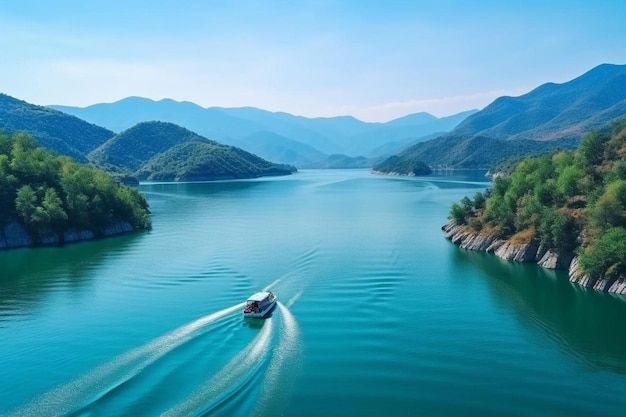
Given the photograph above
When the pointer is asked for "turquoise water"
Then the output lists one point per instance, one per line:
(378, 314)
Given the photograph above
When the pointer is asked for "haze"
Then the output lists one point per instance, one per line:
(371, 59)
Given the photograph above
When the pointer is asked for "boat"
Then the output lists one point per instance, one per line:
(259, 304)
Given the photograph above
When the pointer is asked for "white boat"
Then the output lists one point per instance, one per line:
(259, 304)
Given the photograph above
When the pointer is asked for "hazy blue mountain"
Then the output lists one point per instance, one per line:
(235, 126)
(552, 116)
(421, 118)
(56, 131)
(394, 148)
(126, 113)
(166, 151)
(408, 129)
(277, 148)
(338, 161)
(320, 133)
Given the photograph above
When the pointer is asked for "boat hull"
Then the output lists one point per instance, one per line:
(261, 314)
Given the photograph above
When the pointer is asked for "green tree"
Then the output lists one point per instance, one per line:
(591, 148)
(608, 256)
(53, 206)
(557, 230)
(499, 212)
(25, 203)
(609, 209)
(480, 200)
(8, 183)
(546, 192)
(569, 181)
(527, 213)
(458, 213)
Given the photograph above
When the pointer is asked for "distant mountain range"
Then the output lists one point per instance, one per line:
(280, 137)
(552, 116)
(151, 150)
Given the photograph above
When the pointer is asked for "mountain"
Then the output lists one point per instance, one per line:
(339, 161)
(54, 130)
(554, 111)
(394, 148)
(243, 127)
(168, 152)
(552, 116)
(134, 146)
(470, 153)
(274, 147)
(130, 111)
(408, 129)
(208, 160)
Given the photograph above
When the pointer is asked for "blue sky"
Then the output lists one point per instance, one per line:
(375, 60)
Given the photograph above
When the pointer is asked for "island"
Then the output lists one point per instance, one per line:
(396, 165)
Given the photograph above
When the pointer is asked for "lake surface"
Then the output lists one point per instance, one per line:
(378, 314)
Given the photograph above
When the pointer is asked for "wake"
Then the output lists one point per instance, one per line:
(87, 389)
(235, 374)
(283, 368)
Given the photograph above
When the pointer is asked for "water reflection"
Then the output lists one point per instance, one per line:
(29, 274)
(585, 323)
(195, 188)
(253, 323)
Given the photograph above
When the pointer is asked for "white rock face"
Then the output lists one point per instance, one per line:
(544, 257)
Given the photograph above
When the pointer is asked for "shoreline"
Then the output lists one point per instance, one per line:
(14, 235)
(548, 258)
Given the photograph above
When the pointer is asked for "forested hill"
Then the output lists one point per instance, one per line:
(470, 153)
(394, 166)
(571, 202)
(552, 116)
(54, 130)
(165, 151)
(46, 198)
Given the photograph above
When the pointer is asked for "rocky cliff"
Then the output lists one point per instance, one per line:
(549, 258)
(15, 235)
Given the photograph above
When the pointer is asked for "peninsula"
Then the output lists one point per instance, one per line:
(565, 210)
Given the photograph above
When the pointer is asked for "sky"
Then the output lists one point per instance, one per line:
(374, 60)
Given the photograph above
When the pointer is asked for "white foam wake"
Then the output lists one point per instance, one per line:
(293, 299)
(99, 381)
(283, 368)
(234, 374)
